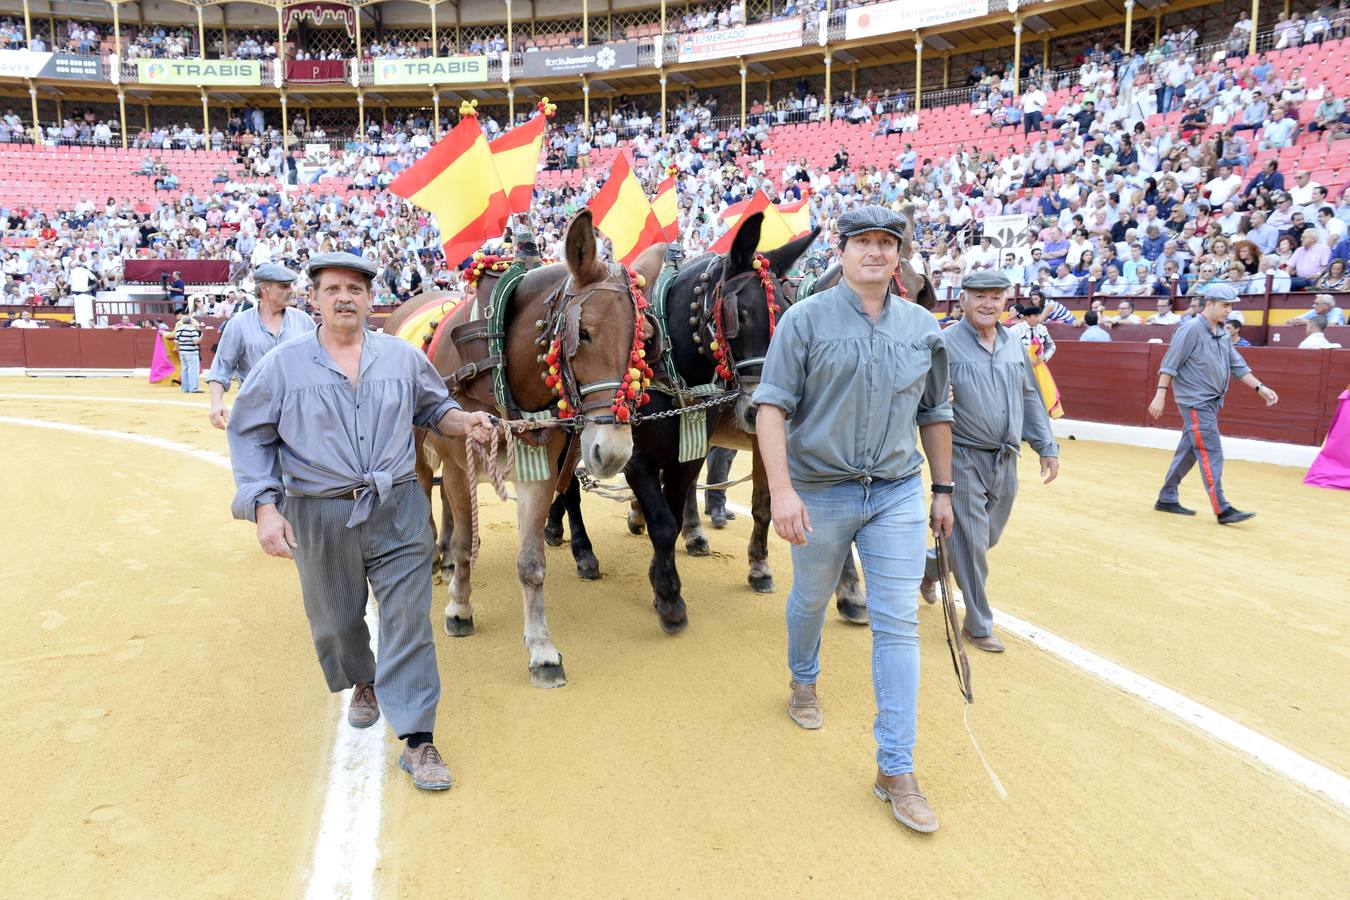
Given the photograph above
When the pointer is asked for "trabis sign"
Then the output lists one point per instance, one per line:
(432, 70)
(199, 71)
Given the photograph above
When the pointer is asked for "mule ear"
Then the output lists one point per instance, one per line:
(783, 258)
(743, 246)
(579, 250)
(907, 245)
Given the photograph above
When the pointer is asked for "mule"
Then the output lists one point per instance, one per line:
(721, 314)
(569, 341)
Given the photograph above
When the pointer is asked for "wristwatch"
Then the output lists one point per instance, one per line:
(944, 488)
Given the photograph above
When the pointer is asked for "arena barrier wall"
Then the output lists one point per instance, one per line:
(1099, 382)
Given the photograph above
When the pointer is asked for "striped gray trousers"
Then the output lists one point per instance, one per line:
(986, 485)
(392, 552)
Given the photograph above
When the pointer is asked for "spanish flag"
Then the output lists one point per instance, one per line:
(516, 157)
(667, 209)
(624, 214)
(457, 182)
(781, 224)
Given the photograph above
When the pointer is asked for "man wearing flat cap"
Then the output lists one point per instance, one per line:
(250, 334)
(321, 441)
(848, 378)
(1198, 365)
(997, 405)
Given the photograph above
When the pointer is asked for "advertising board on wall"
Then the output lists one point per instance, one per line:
(580, 60)
(432, 70)
(909, 15)
(240, 72)
(760, 38)
(68, 66)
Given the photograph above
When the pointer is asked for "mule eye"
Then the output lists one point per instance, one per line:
(584, 336)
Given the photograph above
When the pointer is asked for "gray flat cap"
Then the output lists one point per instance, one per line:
(1223, 293)
(340, 261)
(986, 280)
(873, 218)
(274, 272)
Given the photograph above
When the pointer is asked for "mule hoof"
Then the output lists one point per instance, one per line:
(762, 584)
(437, 576)
(548, 676)
(673, 620)
(698, 547)
(553, 536)
(852, 612)
(588, 569)
(636, 526)
(458, 627)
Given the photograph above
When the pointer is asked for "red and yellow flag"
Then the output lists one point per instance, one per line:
(781, 223)
(667, 209)
(624, 214)
(457, 182)
(515, 155)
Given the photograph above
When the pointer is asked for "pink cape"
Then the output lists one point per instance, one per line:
(164, 364)
(1331, 469)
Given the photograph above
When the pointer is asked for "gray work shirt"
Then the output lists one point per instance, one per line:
(300, 426)
(853, 389)
(1200, 361)
(246, 340)
(997, 402)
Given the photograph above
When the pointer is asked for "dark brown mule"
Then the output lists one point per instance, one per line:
(590, 307)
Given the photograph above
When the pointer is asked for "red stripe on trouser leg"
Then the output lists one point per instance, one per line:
(1205, 472)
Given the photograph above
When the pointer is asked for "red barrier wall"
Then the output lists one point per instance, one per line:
(86, 348)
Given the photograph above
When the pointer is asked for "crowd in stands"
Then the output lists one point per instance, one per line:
(1134, 214)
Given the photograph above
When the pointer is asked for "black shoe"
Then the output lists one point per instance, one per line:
(1177, 508)
(1231, 516)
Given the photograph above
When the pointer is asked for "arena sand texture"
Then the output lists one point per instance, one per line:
(169, 731)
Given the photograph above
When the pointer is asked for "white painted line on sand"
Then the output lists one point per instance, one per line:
(347, 849)
(1246, 449)
(1273, 755)
(90, 398)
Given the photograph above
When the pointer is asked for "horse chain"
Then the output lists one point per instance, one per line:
(679, 411)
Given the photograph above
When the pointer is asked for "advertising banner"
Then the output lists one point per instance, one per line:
(907, 15)
(432, 70)
(69, 66)
(241, 72)
(743, 41)
(1009, 233)
(580, 60)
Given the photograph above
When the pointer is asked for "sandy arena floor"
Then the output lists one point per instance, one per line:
(169, 732)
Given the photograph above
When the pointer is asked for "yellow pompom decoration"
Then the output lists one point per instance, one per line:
(714, 346)
(756, 265)
(641, 281)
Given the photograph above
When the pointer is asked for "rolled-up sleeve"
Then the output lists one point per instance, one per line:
(432, 400)
(784, 374)
(1183, 342)
(935, 405)
(254, 441)
(1236, 364)
(226, 361)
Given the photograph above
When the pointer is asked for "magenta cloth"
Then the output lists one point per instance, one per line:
(195, 271)
(316, 71)
(162, 366)
(1331, 469)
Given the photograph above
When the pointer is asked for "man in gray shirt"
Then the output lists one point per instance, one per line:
(323, 432)
(251, 333)
(1198, 365)
(996, 405)
(849, 375)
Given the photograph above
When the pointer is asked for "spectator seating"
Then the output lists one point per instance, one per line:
(59, 177)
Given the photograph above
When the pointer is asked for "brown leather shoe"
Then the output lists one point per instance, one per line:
(928, 589)
(908, 804)
(803, 707)
(988, 643)
(426, 767)
(364, 710)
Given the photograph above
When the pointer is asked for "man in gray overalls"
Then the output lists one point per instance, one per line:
(1199, 363)
(321, 441)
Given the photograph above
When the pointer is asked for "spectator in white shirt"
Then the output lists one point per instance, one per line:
(1222, 186)
(1317, 340)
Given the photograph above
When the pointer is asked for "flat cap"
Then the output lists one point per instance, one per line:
(340, 261)
(872, 218)
(986, 280)
(274, 272)
(1223, 293)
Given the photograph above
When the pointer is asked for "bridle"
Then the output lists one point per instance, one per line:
(562, 331)
(717, 321)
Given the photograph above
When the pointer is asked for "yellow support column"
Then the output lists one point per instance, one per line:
(37, 126)
(946, 69)
(435, 44)
(117, 29)
(742, 94)
(1129, 23)
(122, 112)
(281, 38)
(918, 71)
(206, 117)
(510, 106)
(436, 113)
(1256, 17)
(586, 23)
(27, 25)
(1017, 56)
(285, 128)
(510, 47)
(357, 10)
(828, 70)
(586, 102)
(663, 104)
(201, 33)
(145, 109)
(360, 115)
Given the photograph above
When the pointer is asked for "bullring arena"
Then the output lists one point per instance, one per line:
(1170, 718)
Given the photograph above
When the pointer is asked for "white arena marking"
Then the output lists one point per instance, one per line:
(88, 398)
(1275, 756)
(347, 848)
(1247, 449)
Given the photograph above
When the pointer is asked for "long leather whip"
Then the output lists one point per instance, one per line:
(953, 628)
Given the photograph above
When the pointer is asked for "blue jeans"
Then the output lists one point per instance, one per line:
(887, 521)
(190, 365)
